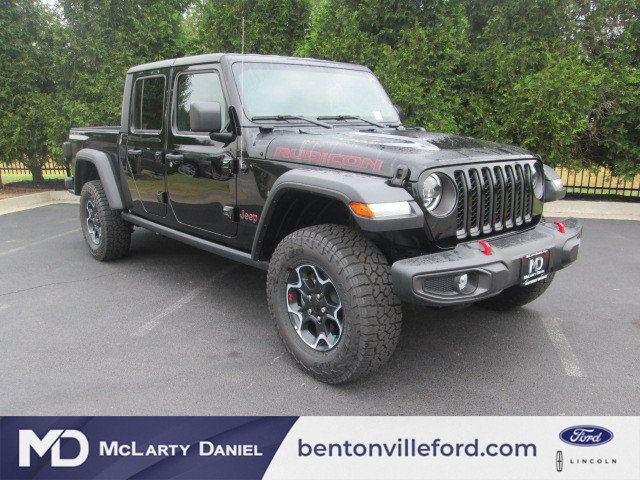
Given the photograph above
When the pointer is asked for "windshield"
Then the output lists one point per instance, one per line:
(275, 89)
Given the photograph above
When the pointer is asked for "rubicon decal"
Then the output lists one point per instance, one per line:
(329, 158)
(586, 435)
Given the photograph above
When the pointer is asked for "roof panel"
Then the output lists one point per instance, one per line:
(216, 57)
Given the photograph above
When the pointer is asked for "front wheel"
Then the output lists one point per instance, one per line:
(330, 294)
(107, 234)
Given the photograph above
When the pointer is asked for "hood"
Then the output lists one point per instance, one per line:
(378, 153)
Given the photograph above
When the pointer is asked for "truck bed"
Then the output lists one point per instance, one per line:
(101, 138)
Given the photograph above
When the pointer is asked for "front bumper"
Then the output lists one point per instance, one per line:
(429, 279)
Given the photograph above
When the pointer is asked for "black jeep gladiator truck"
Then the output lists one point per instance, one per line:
(303, 168)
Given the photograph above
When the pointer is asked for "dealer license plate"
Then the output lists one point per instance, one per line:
(535, 267)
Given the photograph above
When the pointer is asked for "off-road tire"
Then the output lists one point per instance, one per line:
(116, 232)
(514, 297)
(362, 278)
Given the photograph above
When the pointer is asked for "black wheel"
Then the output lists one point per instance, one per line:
(517, 296)
(106, 233)
(330, 294)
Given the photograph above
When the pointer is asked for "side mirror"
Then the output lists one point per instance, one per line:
(400, 111)
(205, 117)
(553, 187)
(67, 151)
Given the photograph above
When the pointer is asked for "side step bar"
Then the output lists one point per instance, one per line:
(209, 246)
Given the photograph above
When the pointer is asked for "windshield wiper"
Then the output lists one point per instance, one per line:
(292, 117)
(352, 117)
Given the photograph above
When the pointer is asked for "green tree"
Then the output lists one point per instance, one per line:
(609, 34)
(102, 40)
(271, 26)
(27, 89)
(416, 48)
(425, 71)
(557, 76)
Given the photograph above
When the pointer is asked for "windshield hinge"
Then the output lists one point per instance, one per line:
(400, 177)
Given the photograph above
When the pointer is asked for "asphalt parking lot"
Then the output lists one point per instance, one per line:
(172, 330)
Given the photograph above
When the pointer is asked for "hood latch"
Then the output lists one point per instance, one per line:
(400, 177)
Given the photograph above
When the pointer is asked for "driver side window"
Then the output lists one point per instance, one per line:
(197, 87)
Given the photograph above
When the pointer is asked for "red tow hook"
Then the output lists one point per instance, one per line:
(560, 226)
(486, 248)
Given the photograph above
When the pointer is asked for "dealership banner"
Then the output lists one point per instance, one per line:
(320, 448)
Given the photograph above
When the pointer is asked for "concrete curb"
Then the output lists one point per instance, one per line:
(33, 200)
(563, 208)
(593, 209)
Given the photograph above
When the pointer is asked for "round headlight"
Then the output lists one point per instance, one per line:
(431, 192)
(537, 181)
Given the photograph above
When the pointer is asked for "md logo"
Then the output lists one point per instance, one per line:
(28, 440)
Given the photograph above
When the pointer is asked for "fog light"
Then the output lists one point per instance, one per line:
(465, 283)
(461, 281)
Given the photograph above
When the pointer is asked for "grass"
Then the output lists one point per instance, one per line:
(26, 177)
(605, 191)
(603, 177)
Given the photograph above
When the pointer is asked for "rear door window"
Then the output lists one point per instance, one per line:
(148, 104)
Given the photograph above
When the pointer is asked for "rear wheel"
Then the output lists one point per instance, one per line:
(330, 294)
(107, 235)
(514, 297)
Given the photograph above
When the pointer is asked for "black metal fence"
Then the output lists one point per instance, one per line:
(19, 168)
(599, 182)
(578, 182)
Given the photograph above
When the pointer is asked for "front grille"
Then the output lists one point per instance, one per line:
(493, 199)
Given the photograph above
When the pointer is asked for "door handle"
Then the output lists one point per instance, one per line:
(224, 164)
(174, 159)
(134, 152)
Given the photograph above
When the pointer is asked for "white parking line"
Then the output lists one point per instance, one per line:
(44, 240)
(178, 304)
(3, 306)
(570, 362)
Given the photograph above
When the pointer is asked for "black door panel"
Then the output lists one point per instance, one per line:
(200, 178)
(145, 145)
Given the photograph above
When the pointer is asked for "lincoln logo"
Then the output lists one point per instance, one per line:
(559, 461)
(28, 440)
(586, 435)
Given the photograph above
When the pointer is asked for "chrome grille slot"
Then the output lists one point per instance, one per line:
(474, 203)
(528, 194)
(509, 193)
(462, 203)
(493, 199)
(487, 203)
(498, 209)
(519, 200)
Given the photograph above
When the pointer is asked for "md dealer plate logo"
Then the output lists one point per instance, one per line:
(586, 435)
(28, 441)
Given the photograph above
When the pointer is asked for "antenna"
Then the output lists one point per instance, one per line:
(242, 65)
(242, 167)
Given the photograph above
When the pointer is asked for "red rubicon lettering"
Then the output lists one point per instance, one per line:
(327, 158)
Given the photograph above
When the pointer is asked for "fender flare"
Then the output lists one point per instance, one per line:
(346, 187)
(105, 171)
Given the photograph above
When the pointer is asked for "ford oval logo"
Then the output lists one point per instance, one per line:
(585, 435)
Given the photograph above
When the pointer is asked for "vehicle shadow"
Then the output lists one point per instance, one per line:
(463, 350)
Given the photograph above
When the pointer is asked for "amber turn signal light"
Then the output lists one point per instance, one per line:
(361, 209)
